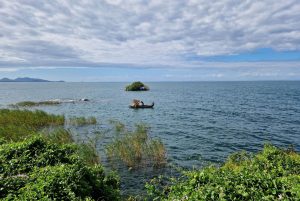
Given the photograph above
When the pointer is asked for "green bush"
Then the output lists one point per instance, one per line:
(39, 169)
(70, 182)
(137, 86)
(273, 174)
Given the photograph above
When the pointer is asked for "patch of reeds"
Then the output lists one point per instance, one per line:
(18, 124)
(136, 148)
(35, 104)
(81, 121)
(58, 136)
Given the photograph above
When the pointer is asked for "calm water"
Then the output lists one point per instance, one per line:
(199, 122)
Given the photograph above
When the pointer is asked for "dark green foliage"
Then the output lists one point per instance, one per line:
(70, 182)
(48, 165)
(39, 169)
(273, 174)
(22, 157)
(137, 86)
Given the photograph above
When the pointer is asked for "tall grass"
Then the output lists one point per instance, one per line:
(18, 124)
(136, 148)
(81, 121)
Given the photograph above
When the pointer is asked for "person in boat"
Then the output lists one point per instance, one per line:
(140, 104)
(135, 103)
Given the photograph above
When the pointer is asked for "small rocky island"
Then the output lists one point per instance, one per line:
(137, 86)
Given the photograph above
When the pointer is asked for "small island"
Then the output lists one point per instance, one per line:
(137, 86)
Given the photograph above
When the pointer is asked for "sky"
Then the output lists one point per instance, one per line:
(150, 40)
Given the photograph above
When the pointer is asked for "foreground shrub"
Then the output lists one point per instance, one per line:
(273, 174)
(39, 169)
(136, 148)
(137, 86)
(70, 182)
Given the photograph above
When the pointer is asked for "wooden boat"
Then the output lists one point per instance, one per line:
(141, 106)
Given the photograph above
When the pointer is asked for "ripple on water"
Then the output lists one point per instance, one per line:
(193, 119)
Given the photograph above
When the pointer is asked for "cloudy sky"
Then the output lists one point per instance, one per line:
(151, 40)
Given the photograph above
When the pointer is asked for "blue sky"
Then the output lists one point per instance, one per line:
(150, 40)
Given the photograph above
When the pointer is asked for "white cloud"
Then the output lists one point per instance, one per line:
(142, 32)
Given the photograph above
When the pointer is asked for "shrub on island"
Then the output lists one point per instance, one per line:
(137, 86)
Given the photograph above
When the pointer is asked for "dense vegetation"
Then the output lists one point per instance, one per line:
(137, 86)
(273, 174)
(136, 148)
(48, 166)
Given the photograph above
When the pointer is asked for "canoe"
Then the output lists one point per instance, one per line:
(141, 106)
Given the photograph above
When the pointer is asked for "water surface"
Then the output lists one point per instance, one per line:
(199, 122)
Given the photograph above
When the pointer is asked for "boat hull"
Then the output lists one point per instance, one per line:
(141, 106)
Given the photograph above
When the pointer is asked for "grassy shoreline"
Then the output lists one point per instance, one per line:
(51, 165)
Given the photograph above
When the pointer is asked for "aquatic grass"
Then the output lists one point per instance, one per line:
(17, 124)
(82, 121)
(58, 135)
(136, 149)
(35, 104)
(272, 174)
(87, 151)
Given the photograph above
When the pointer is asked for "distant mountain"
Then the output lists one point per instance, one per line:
(25, 79)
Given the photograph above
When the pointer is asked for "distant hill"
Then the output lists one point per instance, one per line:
(25, 79)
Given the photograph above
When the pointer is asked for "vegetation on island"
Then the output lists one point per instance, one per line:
(35, 165)
(35, 104)
(136, 148)
(273, 174)
(137, 86)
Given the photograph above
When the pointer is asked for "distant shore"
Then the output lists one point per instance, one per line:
(26, 79)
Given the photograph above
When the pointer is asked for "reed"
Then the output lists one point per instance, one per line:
(58, 135)
(81, 121)
(18, 124)
(136, 148)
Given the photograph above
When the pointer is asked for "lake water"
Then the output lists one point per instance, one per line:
(199, 122)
